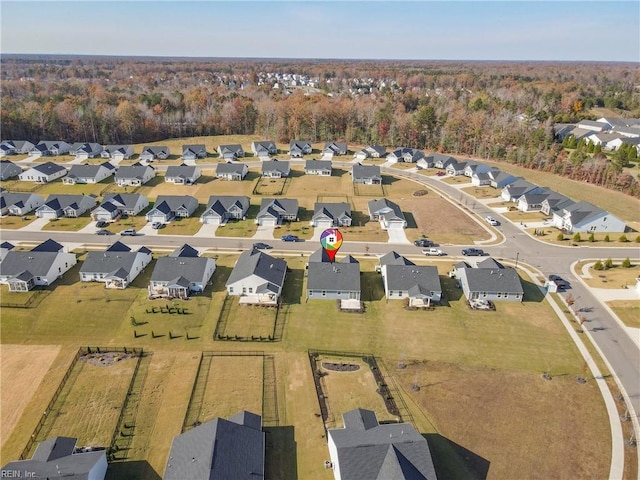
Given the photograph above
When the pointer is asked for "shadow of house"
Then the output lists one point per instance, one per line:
(220, 278)
(454, 461)
(450, 291)
(280, 453)
(372, 288)
(532, 292)
(138, 469)
(411, 221)
(292, 290)
(388, 179)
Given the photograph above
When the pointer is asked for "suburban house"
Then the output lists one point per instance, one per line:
(5, 247)
(116, 267)
(499, 179)
(388, 213)
(334, 149)
(43, 173)
(48, 148)
(82, 151)
(193, 152)
(19, 203)
(532, 200)
(273, 211)
(219, 449)
(180, 274)
(327, 215)
(88, 173)
(299, 148)
(473, 167)
(231, 171)
(257, 278)
(134, 175)
(264, 149)
(40, 266)
(154, 152)
(9, 170)
(230, 152)
(555, 202)
(585, 217)
(489, 280)
(15, 147)
(366, 449)
(456, 169)
(222, 208)
(182, 174)
(116, 204)
(117, 153)
(275, 169)
(407, 155)
(372, 151)
(442, 161)
(58, 458)
(333, 281)
(318, 167)
(366, 174)
(168, 207)
(480, 179)
(403, 279)
(62, 205)
(514, 190)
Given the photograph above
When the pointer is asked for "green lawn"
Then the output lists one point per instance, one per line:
(14, 222)
(628, 311)
(238, 228)
(72, 224)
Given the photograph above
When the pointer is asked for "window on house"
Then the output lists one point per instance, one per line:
(324, 293)
(250, 289)
(484, 294)
(230, 289)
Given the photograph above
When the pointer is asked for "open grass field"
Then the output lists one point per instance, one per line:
(97, 189)
(457, 180)
(184, 226)
(249, 320)
(13, 222)
(550, 235)
(616, 277)
(72, 224)
(628, 311)
(519, 216)
(482, 192)
(491, 406)
(22, 369)
(91, 402)
(238, 228)
(16, 185)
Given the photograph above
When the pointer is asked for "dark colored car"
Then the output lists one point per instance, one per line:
(290, 238)
(101, 224)
(263, 246)
(423, 242)
(472, 252)
(559, 281)
(441, 174)
(103, 232)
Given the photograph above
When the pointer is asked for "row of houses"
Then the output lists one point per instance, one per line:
(608, 132)
(257, 278)
(234, 448)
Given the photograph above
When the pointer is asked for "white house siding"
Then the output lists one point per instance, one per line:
(604, 223)
(332, 295)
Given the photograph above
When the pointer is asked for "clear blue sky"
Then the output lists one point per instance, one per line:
(431, 30)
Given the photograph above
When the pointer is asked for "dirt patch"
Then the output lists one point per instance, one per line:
(22, 368)
(420, 193)
(105, 359)
(340, 367)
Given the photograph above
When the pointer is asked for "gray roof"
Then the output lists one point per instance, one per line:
(156, 149)
(185, 171)
(519, 187)
(223, 203)
(94, 148)
(406, 277)
(54, 459)
(339, 148)
(254, 262)
(266, 146)
(88, 171)
(9, 169)
(435, 157)
(38, 263)
(49, 245)
(175, 202)
(111, 149)
(233, 148)
(219, 449)
(230, 168)
(366, 171)
(319, 255)
(48, 168)
(386, 208)
(332, 210)
(317, 165)
(185, 250)
(126, 200)
(334, 276)
(412, 154)
(583, 211)
(169, 268)
(194, 149)
(110, 261)
(369, 451)
(276, 166)
(132, 171)
(493, 280)
(278, 207)
(379, 149)
(61, 201)
(394, 258)
(10, 198)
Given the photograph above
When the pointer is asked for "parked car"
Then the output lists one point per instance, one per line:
(157, 225)
(423, 242)
(103, 232)
(101, 224)
(290, 238)
(492, 221)
(472, 252)
(441, 173)
(433, 252)
(559, 281)
(263, 246)
(130, 232)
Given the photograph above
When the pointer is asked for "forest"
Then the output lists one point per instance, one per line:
(503, 111)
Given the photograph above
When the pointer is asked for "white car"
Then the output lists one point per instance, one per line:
(492, 221)
(433, 252)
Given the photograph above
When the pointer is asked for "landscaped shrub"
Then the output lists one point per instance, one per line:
(560, 237)
(626, 263)
(592, 238)
(577, 238)
(623, 238)
(606, 238)
(608, 263)
(638, 239)
(598, 265)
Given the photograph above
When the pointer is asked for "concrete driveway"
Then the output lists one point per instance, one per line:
(207, 230)
(397, 235)
(36, 225)
(265, 232)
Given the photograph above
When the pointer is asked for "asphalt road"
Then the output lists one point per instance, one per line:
(619, 349)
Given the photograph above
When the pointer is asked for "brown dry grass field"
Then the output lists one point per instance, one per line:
(482, 192)
(616, 277)
(493, 407)
(13, 222)
(628, 311)
(20, 377)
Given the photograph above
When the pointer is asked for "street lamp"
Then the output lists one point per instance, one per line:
(517, 257)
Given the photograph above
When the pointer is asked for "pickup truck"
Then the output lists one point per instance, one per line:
(433, 252)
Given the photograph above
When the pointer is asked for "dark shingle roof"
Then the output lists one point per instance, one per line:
(254, 262)
(48, 168)
(334, 276)
(394, 258)
(366, 171)
(406, 277)
(230, 168)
